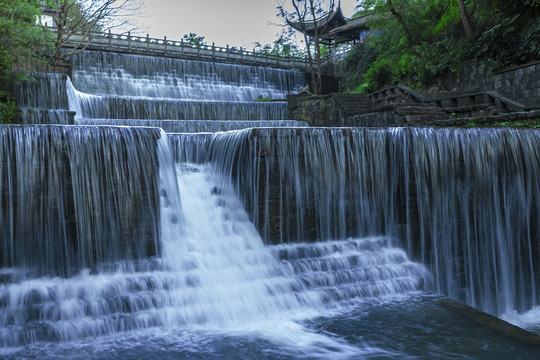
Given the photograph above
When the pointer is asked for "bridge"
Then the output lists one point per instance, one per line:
(146, 45)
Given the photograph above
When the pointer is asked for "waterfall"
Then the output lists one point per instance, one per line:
(165, 78)
(110, 107)
(194, 126)
(36, 103)
(116, 86)
(191, 148)
(179, 215)
(467, 202)
(214, 272)
(77, 197)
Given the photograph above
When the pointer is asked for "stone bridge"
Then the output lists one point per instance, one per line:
(145, 45)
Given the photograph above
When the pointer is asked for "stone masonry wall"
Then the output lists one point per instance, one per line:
(521, 83)
(327, 110)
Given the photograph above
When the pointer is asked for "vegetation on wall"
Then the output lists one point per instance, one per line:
(415, 41)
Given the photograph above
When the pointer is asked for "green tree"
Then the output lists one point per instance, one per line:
(282, 46)
(418, 40)
(22, 45)
(194, 39)
(309, 13)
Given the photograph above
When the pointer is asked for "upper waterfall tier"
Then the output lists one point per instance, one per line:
(112, 74)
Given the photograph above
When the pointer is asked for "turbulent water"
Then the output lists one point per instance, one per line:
(464, 201)
(121, 240)
(218, 287)
(215, 275)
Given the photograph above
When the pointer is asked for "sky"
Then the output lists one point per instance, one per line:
(237, 23)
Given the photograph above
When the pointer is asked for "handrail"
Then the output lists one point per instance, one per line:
(491, 97)
(415, 95)
(181, 48)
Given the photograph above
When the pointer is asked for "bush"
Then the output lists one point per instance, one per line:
(8, 110)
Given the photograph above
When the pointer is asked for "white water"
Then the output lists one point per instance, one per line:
(115, 86)
(215, 276)
(529, 320)
(229, 281)
(153, 77)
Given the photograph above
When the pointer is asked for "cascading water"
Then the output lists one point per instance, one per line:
(194, 126)
(115, 86)
(215, 273)
(76, 197)
(127, 242)
(36, 104)
(465, 201)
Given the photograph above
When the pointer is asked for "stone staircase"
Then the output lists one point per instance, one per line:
(402, 106)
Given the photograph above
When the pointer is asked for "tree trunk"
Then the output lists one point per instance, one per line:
(465, 19)
(397, 15)
(60, 24)
(319, 67)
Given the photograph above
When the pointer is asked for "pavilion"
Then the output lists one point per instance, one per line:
(334, 28)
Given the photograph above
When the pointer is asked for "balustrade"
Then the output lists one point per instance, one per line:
(128, 43)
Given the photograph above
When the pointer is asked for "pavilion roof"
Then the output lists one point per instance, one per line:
(350, 31)
(333, 27)
(329, 21)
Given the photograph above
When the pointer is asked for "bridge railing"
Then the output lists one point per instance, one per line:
(147, 45)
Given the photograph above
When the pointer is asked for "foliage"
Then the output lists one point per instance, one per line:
(76, 21)
(283, 47)
(307, 13)
(22, 45)
(531, 124)
(21, 42)
(194, 39)
(419, 40)
(503, 45)
(8, 110)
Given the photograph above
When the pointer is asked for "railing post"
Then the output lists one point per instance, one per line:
(165, 43)
(181, 45)
(129, 40)
(147, 42)
(213, 50)
(241, 54)
(110, 37)
(228, 52)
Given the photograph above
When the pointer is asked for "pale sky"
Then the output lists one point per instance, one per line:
(234, 22)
